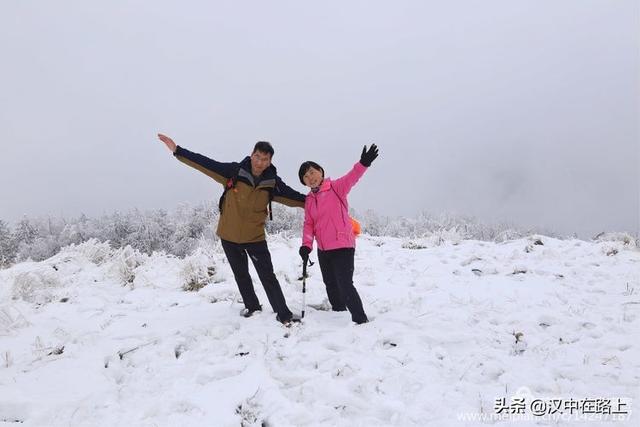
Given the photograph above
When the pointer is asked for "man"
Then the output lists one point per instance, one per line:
(249, 188)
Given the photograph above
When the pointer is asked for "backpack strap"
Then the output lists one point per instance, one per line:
(270, 208)
(271, 190)
(230, 185)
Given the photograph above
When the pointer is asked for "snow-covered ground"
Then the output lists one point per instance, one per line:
(455, 326)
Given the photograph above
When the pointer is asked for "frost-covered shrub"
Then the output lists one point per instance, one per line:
(286, 221)
(413, 245)
(93, 250)
(198, 269)
(448, 226)
(11, 319)
(250, 412)
(506, 235)
(8, 247)
(146, 232)
(124, 263)
(180, 232)
(36, 286)
(26, 231)
(42, 248)
(434, 239)
(451, 235)
(625, 239)
(191, 225)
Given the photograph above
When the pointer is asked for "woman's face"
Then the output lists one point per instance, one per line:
(313, 177)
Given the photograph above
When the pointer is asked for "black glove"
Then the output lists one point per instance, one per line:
(304, 253)
(368, 157)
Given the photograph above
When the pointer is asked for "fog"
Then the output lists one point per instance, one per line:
(522, 111)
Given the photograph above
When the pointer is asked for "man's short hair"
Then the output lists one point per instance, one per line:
(263, 147)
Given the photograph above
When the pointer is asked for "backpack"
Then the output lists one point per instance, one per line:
(231, 185)
(357, 229)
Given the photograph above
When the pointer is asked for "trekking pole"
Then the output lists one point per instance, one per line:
(304, 287)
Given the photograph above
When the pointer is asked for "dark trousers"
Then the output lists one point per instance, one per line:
(261, 258)
(336, 266)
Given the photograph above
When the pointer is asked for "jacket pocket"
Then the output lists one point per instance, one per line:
(343, 236)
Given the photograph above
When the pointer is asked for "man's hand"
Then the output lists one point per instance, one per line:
(304, 253)
(168, 142)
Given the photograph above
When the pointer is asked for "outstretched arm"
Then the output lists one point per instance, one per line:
(219, 171)
(344, 184)
(286, 195)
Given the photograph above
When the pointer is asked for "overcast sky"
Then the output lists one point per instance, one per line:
(525, 111)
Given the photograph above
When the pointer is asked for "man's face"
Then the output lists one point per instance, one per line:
(313, 177)
(259, 162)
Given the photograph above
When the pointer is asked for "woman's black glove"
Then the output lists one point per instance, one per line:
(304, 253)
(368, 157)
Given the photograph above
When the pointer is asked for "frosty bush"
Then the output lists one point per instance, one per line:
(434, 239)
(93, 250)
(35, 286)
(192, 225)
(145, 233)
(11, 319)
(182, 231)
(448, 226)
(124, 263)
(249, 411)
(413, 245)
(177, 233)
(31, 242)
(41, 249)
(198, 269)
(286, 221)
(452, 236)
(8, 249)
(626, 239)
(80, 230)
(26, 231)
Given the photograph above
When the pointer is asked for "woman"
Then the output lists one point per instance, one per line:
(326, 218)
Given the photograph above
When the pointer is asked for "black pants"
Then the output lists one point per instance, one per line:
(261, 258)
(336, 266)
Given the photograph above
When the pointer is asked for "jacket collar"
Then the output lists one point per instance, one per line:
(325, 186)
(269, 173)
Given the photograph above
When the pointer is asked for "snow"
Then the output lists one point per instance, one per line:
(456, 324)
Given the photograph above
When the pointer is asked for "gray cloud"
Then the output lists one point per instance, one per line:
(524, 111)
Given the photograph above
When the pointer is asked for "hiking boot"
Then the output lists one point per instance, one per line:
(249, 312)
(288, 322)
